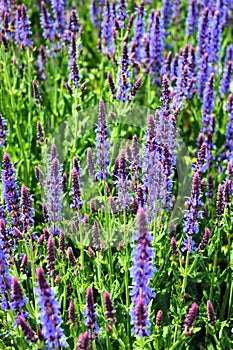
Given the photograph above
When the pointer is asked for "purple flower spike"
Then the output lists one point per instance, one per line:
(226, 79)
(166, 11)
(193, 214)
(22, 27)
(202, 34)
(102, 144)
(203, 74)
(46, 23)
(76, 193)
(90, 315)
(107, 28)
(3, 131)
(158, 319)
(210, 313)
(205, 240)
(54, 189)
(141, 272)
(110, 315)
(141, 319)
(215, 41)
(156, 46)
(58, 7)
(191, 317)
(75, 73)
(139, 25)
(10, 190)
(27, 210)
(123, 76)
(220, 203)
(26, 329)
(192, 17)
(51, 256)
(5, 278)
(18, 300)
(71, 312)
(49, 313)
(208, 103)
(83, 342)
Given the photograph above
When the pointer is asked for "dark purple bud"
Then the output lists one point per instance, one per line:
(111, 85)
(69, 88)
(110, 315)
(122, 165)
(83, 86)
(86, 220)
(46, 233)
(172, 229)
(210, 191)
(220, 203)
(71, 312)
(130, 23)
(40, 133)
(91, 252)
(73, 227)
(41, 239)
(115, 171)
(93, 209)
(75, 73)
(61, 244)
(57, 280)
(113, 206)
(24, 262)
(39, 175)
(71, 256)
(18, 233)
(210, 313)
(191, 316)
(83, 342)
(96, 235)
(64, 182)
(90, 162)
(121, 246)
(45, 212)
(135, 88)
(158, 319)
(4, 42)
(174, 246)
(27, 331)
(205, 240)
(36, 93)
(227, 193)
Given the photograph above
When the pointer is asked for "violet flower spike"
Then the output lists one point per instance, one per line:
(90, 315)
(27, 210)
(102, 144)
(191, 317)
(47, 24)
(10, 190)
(18, 300)
(141, 293)
(5, 279)
(3, 131)
(26, 329)
(49, 313)
(192, 17)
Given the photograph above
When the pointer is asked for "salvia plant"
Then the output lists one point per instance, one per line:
(116, 155)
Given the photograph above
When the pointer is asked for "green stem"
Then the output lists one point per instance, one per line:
(215, 266)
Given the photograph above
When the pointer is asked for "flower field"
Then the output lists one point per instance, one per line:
(116, 155)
